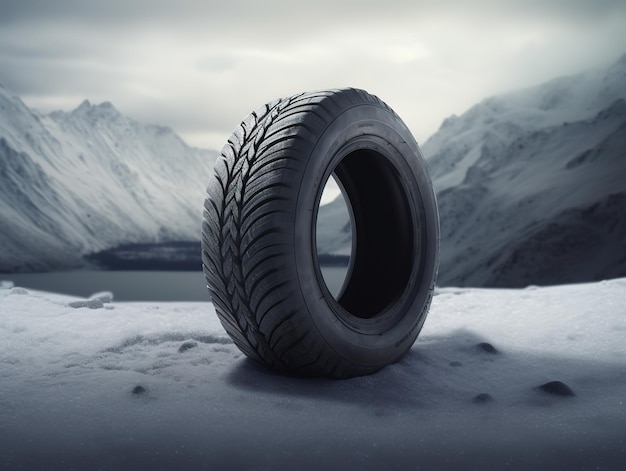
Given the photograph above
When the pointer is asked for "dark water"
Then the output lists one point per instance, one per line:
(125, 285)
(135, 285)
(166, 256)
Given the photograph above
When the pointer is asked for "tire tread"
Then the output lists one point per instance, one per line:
(246, 194)
(248, 273)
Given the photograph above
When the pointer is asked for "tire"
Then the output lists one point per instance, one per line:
(258, 235)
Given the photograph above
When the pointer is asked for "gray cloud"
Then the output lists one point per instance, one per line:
(202, 11)
(200, 66)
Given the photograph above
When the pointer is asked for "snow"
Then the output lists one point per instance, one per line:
(334, 228)
(73, 183)
(99, 384)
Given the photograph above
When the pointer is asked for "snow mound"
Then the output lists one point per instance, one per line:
(18, 291)
(95, 301)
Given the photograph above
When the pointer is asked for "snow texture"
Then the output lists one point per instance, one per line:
(114, 386)
(91, 179)
(531, 185)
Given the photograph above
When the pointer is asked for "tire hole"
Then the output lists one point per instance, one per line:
(382, 239)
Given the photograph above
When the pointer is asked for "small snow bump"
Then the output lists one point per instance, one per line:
(456, 363)
(95, 301)
(89, 303)
(19, 291)
(557, 388)
(5, 284)
(104, 296)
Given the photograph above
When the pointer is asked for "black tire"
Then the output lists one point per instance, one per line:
(258, 235)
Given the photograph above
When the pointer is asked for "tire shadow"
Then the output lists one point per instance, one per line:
(449, 373)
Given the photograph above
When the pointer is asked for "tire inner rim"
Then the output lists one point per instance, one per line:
(383, 235)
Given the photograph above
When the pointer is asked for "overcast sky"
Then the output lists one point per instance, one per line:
(201, 66)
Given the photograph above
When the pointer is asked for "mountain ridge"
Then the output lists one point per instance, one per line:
(74, 183)
(531, 185)
(517, 174)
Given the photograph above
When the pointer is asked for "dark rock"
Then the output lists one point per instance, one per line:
(487, 348)
(556, 388)
(139, 390)
(187, 346)
(483, 398)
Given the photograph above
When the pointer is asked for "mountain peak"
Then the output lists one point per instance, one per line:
(85, 105)
(90, 171)
(107, 106)
(103, 110)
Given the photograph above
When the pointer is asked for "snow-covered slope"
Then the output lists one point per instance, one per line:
(78, 182)
(95, 384)
(531, 185)
(334, 231)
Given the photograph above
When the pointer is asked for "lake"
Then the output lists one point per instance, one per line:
(136, 285)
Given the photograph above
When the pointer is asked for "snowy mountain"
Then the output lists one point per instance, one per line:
(334, 232)
(531, 185)
(91, 179)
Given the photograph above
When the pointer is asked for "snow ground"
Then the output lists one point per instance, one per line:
(94, 384)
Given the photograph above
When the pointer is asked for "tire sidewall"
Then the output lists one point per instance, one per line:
(375, 342)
